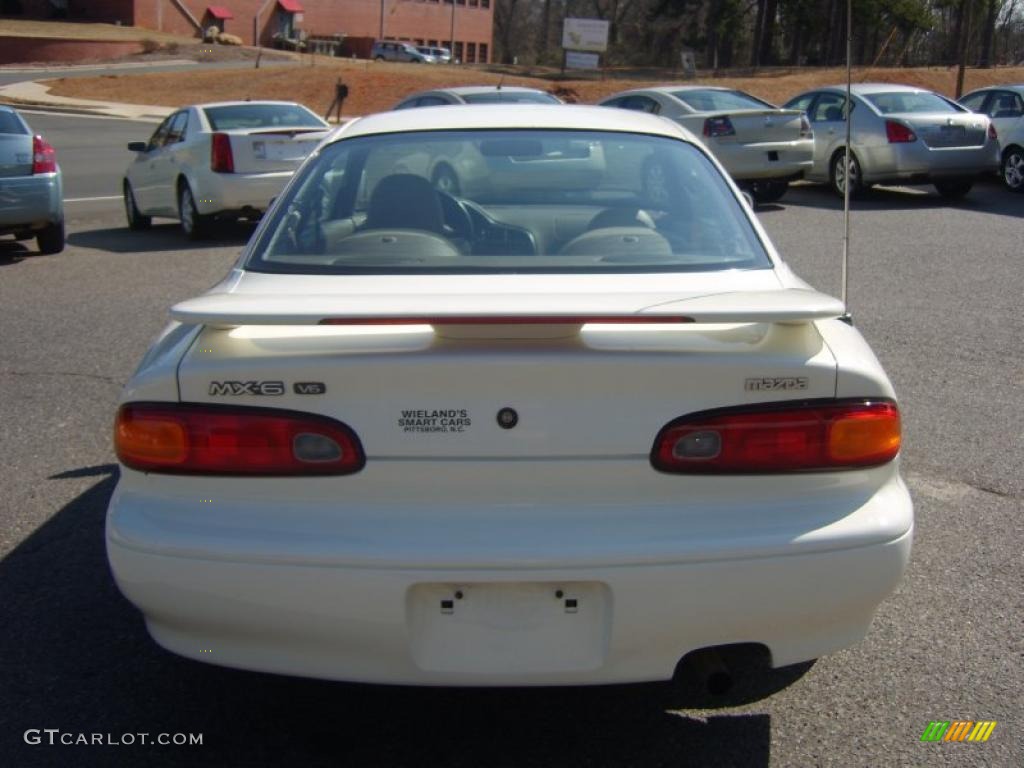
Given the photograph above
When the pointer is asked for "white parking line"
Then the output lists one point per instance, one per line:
(90, 199)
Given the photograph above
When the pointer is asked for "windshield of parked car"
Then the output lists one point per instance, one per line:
(901, 102)
(720, 101)
(228, 118)
(496, 97)
(514, 201)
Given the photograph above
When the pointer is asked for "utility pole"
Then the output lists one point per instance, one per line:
(451, 37)
(965, 37)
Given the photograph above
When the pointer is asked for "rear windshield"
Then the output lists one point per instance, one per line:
(903, 102)
(495, 97)
(720, 101)
(261, 116)
(9, 123)
(524, 201)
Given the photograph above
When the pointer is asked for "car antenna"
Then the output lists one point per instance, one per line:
(846, 164)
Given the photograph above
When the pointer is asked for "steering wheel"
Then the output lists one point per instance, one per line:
(456, 216)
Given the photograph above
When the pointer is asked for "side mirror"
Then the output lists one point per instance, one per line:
(138, 146)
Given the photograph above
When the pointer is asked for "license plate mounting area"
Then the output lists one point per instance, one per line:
(509, 628)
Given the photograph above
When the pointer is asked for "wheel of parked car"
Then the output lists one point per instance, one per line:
(1013, 169)
(136, 220)
(51, 239)
(953, 190)
(192, 222)
(768, 191)
(837, 176)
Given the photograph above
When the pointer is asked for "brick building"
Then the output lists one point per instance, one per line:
(424, 22)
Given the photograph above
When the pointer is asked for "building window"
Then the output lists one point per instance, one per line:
(471, 53)
(474, 3)
(458, 52)
(485, 3)
(483, 53)
(461, 2)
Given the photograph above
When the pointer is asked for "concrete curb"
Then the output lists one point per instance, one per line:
(36, 95)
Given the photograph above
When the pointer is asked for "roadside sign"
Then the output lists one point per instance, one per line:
(585, 35)
(579, 60)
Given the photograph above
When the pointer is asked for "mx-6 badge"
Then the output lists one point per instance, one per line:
(237, 388)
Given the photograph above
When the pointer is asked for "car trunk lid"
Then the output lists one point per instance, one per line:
(942, 130)
(592, 390)
(270, 150)
(760, 126)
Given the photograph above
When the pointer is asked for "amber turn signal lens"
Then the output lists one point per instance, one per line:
(865, 437)
(149, 439)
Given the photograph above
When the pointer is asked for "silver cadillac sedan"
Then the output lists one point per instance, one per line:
(31, 194)
(900, 135)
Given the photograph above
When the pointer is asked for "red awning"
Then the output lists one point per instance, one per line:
(292, 6)
(219, 12)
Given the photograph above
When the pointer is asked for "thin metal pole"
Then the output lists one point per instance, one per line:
(451, 37)
(846, 158)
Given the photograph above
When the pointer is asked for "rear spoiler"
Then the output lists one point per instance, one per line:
(231, 310)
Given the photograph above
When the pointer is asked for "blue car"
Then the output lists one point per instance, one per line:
(31, 191)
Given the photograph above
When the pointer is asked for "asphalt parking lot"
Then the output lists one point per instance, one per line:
(936, 289)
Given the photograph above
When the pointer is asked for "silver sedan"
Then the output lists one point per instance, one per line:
(899, 135)
(1004, 105)
(31, 193)
(477, 94)
(761, 146)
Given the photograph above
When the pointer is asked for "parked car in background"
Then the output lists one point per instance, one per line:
(396, 50)
(31, 189)
(485, 166)
(554, 436)
(899, 135)
(477, 94)
(440, 55)
(761, 146)
(225, 160)
(1004, 105)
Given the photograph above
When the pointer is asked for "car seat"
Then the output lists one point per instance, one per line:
(405, 201)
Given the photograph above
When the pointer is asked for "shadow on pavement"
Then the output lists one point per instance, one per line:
(161, 237)
(13, 252)
(986, 196)
(76, 657)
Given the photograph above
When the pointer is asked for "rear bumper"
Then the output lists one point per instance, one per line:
(30, 202)
(766, 160)
(231, 193)
(316, 601)
(917, 163)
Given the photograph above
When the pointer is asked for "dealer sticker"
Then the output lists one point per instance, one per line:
(438, 420)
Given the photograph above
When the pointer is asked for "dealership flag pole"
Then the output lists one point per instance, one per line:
(846, 160)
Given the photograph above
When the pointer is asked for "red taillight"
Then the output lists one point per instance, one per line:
(233, 440)
(44, 158)
(898, 133)
(221, 159)
(718, 126)
(992, 132)
(781, 437)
